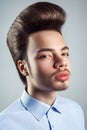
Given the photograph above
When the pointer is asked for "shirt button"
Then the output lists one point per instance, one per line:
(52, 126)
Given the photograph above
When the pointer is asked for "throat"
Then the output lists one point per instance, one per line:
(47, 97)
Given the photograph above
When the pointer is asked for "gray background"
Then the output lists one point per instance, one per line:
(75, 34)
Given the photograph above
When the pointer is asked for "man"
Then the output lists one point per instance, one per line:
(42, 59)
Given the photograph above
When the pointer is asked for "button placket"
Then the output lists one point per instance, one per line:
(51, 125)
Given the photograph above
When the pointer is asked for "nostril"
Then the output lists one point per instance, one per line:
(60, 65)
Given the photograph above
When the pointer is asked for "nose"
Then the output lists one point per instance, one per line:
(60, 64)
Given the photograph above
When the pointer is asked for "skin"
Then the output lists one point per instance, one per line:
(46, 65)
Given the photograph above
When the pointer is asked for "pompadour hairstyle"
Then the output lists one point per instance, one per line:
(36, 17)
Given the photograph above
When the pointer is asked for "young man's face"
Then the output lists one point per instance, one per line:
(48, 61)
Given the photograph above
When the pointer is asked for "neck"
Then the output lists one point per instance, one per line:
(47, 97)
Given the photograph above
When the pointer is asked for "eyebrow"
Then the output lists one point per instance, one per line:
(49, 49)
(65, 48)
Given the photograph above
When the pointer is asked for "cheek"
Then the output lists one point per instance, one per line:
(44, 67)
(69, 65)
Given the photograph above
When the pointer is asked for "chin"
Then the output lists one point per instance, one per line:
(61, 86)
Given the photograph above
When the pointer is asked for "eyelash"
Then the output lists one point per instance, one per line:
(44, 56)
(65, 54)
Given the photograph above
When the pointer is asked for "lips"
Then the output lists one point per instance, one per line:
(62, 76)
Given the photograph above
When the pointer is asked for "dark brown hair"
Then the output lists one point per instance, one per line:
(36, 17)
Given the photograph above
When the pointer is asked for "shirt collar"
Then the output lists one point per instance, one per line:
(57, 105)
(36, 107)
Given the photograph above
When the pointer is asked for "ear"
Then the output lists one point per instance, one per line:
(22, 66)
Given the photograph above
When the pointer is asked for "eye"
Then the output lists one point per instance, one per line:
(66, 54)
(44, 56)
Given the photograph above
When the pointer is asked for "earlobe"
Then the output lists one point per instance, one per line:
(22, 67)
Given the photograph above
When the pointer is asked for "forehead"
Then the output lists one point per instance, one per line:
(46, 39)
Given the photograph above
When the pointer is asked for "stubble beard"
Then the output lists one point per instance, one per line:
(61, 86)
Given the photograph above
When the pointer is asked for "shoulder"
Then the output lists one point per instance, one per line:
(67, 101)
(69, 105)
(11, 115)
(15, 117)
(13, 108)
(70, 108)
(71, 111)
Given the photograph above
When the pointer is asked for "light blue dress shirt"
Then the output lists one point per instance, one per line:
(27, 113)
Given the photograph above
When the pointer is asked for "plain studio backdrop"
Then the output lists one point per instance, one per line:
(75, 34)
